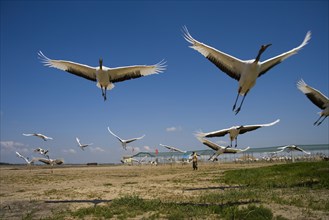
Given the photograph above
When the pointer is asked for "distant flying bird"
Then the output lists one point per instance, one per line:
(26, 159)
(235, 131)
(125, 142)
(290, 148)
(44, 137)
(220, 149)
(82, 146)
(104, 76)
(51, 162)
(173, 148)
(42, 152)
(317, 98)
(244, 71)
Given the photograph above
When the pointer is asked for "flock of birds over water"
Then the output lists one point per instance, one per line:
(245, 72)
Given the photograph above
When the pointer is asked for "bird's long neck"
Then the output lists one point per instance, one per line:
(101, 64)
(258, 56)
(261, 50)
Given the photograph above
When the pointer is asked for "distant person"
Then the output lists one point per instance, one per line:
(195, 161)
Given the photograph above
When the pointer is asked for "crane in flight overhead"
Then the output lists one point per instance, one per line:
(123, 141)
(104, 76)
(234, 131)
(245, 72)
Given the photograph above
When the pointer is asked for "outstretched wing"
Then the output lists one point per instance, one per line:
(300, 149)
(268, 64)
(230, 65)
(172, 148)
(134, 139)
(247, 128)
(43, 160)
(119, 74)
(234, 150)
(29, 135)
(21, 156)
(121, 140)
(316, 97)
(78, 140)
(218, 133)
(77, 69)
(210, 144)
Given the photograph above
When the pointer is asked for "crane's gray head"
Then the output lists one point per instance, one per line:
(100, 63)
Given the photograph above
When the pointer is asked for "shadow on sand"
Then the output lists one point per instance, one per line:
(213, 187)
(94, 201)
(224, 204)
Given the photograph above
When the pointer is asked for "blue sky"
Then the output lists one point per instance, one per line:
(191, 95)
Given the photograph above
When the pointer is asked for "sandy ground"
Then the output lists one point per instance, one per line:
(42, 190)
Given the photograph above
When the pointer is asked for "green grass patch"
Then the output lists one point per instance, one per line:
(136, 207)
(304, 174)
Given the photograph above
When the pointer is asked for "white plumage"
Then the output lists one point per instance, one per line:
(173, 148)
(42, 151)
(220, 149)
(104, 76)
(43, 160)
(244, 71)
(26, 159)
(48, 161)
(42, 136)
(82, 146)
(123, 141)
(317, 98)
(235, 131)
(290, 148)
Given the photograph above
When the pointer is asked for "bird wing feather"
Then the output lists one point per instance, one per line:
(121, 140)
(172, 148)
(28, 134)
(316, 97)
(247, 128)
(218, 133)
(210, 144)
(120, 74)
(43, 160)
(268, 64)
(21, 156)
(77, 69)
(233, 150)
(78, 140)
(134, 139)
(230, 65)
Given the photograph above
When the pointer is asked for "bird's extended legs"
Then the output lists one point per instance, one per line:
(244, 96)
(237, 97)
(238, 110)
(317, 123)
(103, 92)
(236, 100)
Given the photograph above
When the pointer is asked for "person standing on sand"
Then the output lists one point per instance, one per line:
(195, 160)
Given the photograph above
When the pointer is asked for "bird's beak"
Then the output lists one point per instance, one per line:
(266, 46)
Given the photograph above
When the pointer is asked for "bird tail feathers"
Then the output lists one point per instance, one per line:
(109, 86)
(199, 134)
